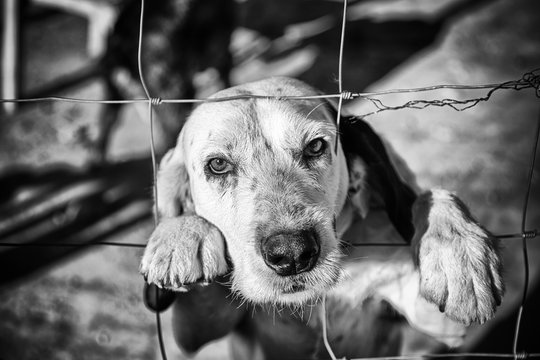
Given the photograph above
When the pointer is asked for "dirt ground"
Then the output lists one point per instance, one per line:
(89, 305)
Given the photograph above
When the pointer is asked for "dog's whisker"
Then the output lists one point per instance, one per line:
(360, 257)
(311, 306)
(315, 108)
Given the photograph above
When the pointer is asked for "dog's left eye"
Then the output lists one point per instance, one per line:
(315, 148)
(219, 166)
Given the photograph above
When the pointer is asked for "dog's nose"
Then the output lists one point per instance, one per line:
(291, 253)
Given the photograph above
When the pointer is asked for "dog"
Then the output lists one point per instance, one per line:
(180, 40)
(266, 198)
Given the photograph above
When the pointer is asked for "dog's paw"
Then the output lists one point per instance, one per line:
(459, 261)
(183, 250)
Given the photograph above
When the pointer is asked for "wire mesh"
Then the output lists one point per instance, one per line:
(529, 80)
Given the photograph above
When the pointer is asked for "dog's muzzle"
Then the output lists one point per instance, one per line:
(291, 253)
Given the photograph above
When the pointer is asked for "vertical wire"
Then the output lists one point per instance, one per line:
(524, 237)
(340, 71)
(150, 114)
(325, 330)
(154, 172)
(139, 53)
(341, 46)
(340, 103)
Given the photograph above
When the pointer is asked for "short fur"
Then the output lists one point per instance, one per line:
(378, 303)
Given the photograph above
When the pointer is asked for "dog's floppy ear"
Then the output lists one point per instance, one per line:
(360, 141)
(173, 190)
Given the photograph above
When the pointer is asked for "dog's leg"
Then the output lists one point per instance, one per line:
(186, 254)
(184, 248)
(459, 261)
(204, 314)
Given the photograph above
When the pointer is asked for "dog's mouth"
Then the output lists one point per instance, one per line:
(305, 287)
(294, 288)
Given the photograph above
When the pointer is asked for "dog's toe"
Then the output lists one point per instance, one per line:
(434, 287)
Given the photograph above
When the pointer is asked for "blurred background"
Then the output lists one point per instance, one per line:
(67, 177)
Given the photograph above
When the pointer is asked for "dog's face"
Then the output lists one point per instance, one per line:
(268, 174)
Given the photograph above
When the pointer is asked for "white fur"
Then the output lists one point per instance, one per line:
(260, 137)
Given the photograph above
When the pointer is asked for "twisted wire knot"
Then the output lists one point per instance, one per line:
(521, 355)
(347, 95)
(530, 234)
(533, 80)
(156, 101)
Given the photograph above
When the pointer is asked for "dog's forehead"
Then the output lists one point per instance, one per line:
(282, 123)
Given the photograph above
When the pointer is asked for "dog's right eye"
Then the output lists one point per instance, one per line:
(219, 166)
(315, 148)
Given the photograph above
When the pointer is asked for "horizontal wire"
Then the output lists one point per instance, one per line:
(529, 80)
(527, 234)
(69, 244)
(456, 355)
(109, 243)
(168, 101)
(73, 100)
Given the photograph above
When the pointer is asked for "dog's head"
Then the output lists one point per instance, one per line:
(267, 173)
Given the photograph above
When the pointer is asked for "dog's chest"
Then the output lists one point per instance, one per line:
(371, 328)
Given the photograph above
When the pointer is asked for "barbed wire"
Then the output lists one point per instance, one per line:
(529, 80)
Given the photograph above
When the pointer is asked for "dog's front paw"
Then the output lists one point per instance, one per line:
(459, 261)
(183, 250)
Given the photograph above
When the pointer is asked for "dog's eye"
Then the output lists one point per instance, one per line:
(315, 148)
(219, 166)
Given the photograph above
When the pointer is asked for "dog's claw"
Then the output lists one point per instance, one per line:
(442, 307)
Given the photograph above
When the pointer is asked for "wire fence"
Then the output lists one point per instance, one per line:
(529, 80)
